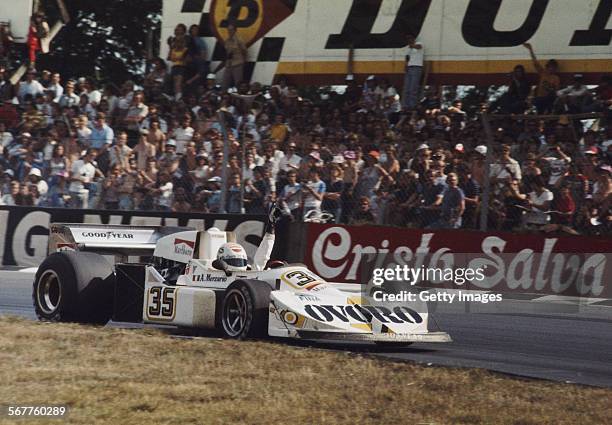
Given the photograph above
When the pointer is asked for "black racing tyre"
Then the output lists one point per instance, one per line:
(244, 313)
(74, 287)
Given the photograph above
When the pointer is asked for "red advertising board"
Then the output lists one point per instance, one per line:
(525, 263)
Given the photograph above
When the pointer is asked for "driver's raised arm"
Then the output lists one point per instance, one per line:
(264, 250)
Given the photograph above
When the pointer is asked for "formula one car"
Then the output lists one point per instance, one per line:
(89, 278)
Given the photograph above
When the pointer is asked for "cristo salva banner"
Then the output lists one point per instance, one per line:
(509, 262)
(466, 41)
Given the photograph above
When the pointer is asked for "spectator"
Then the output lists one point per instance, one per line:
(136, 113)
(111, 188)
(548, 84)
(101, 136)
(143, 151)
(183, 134)
(539, 201)
(120, 153)
(414, 71)
(363, 215)
(38, 30)
(313, 191)
(234, 192)
(235, 58)
(452, 206)
(163, 192)
(514, 101)
(197, 53)
(10, 198)
(69, 98)
(55, 87)
(177, 54)
(82, 174)
(35, 178)
(29, 88)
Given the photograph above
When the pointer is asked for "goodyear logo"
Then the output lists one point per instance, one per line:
(253, 18)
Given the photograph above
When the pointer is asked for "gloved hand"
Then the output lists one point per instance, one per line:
(274, 214)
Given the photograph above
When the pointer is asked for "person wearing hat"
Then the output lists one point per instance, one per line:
(169, 160)
(35, 177)
(290, 160)
(371, 176)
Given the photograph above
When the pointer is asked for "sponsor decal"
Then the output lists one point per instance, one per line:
(362, 313)
(57, 230)
(575, 266)
(306, 297)
(292, 318)
(66, 247)
(110, 234)
(253, 18)
(300, 280)
(209, 278)
(183, 247)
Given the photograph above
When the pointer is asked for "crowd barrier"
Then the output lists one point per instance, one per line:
(24, 231)
(520, 263)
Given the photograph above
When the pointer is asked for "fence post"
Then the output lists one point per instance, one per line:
(221, 118)
(486, 192)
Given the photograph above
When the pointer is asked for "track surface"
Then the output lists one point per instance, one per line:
(536, 341)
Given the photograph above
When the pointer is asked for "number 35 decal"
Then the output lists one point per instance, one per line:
(299, 279)
(161, 302)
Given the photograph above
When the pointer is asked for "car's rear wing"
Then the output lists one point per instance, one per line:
(108, 239)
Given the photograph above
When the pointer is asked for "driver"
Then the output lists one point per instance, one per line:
(233, 256)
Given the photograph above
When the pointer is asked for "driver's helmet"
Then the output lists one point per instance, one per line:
(233, 255)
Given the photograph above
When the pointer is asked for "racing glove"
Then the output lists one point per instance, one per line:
(274, 214)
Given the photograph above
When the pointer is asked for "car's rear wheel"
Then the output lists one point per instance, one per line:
(244, 312)
(74, 287)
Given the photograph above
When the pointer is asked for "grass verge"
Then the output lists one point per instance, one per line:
(142, 376)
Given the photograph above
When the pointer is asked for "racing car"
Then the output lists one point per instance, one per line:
(173, 276)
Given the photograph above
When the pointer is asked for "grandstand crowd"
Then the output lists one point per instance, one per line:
(359, 152)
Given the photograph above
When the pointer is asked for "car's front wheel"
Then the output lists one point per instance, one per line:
(245, 309)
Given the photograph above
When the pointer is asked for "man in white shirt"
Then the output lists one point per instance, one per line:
(82, 174)
(183, 134)
(55, 87)
(414, 71)
(6, 138)
(290, 199)
(539, 200)
(30, 86)
(313, 192)
(291, 161)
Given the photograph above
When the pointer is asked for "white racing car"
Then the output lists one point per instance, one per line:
(89, 277)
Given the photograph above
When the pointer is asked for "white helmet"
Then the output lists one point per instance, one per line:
(233, 255)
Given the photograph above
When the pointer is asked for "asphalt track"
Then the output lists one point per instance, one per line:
(546, 340)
